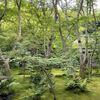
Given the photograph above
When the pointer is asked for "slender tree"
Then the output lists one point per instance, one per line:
(18, 3)
(82, 67)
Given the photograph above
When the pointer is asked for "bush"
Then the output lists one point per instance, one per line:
(77, 85)
(39, 85)
(5, 87)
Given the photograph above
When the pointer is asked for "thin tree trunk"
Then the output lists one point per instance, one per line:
(66, 15)
(3, 13)
(19, 28)
(18, 3)
(57, 18)
(5, 7)
(82, 68)
(62, 39)
(49, 46)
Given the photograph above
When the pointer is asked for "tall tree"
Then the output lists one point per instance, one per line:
(82, 67)
(18, 3)
(57, 18)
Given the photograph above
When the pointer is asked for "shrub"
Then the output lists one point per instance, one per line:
(4, 87)
(39, 85)
(77, 85)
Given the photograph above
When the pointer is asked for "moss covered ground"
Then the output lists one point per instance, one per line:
(23, 88)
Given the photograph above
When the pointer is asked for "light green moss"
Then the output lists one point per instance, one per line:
(57, 72)
(25, 92)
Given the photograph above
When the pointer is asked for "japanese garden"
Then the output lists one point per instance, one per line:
(49, 50)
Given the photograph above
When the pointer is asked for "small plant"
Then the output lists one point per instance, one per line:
(38, 85)
(76, 85)
(5, 89)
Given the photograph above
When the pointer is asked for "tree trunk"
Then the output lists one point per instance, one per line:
(82, 67)
(18, 3)
(62, 39)
(57, 18)
(19, 27)
(6, 63)
(5, 7)
(49, 46)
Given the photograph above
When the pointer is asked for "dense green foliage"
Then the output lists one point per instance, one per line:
(48, 47)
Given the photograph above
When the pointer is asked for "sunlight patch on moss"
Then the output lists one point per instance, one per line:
(57, 72)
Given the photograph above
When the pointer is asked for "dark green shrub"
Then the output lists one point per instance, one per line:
(39, 85)
(5, 87)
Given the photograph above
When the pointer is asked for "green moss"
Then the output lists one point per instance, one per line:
(24, 90)
(93, 86)
(57, 72)
(67, 95)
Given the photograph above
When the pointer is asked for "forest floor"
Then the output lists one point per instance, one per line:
(23, 90)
